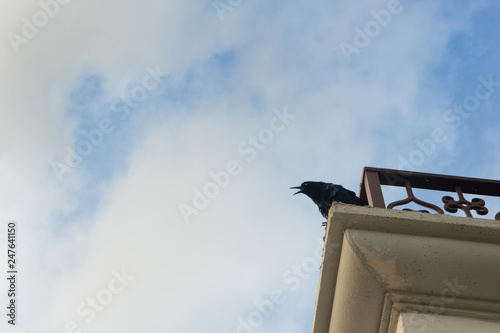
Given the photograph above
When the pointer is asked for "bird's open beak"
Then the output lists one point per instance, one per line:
(296, 188)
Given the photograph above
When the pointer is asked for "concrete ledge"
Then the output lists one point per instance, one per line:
(378, 263)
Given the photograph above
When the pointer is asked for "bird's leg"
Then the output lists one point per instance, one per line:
(323, 224)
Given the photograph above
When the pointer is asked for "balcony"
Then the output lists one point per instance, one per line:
(386, 270)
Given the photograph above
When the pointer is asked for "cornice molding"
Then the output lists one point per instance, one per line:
(378, 263)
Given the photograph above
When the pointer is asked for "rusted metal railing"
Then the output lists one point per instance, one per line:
(374, 178)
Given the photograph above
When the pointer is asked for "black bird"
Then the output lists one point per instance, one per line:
(323, 194)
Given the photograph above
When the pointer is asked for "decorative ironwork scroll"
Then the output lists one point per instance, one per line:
(412, 198)
(452, 206)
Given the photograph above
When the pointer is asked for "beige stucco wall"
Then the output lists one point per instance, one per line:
(379, 263)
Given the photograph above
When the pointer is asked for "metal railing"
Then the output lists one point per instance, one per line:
(374, 178)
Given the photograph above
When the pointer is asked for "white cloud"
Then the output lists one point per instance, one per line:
(236, 250)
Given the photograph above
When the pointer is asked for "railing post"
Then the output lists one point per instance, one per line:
(373, 189)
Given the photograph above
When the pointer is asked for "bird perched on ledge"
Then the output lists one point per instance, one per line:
(323, 194)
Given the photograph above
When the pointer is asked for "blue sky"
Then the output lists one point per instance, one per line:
(161, 101)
